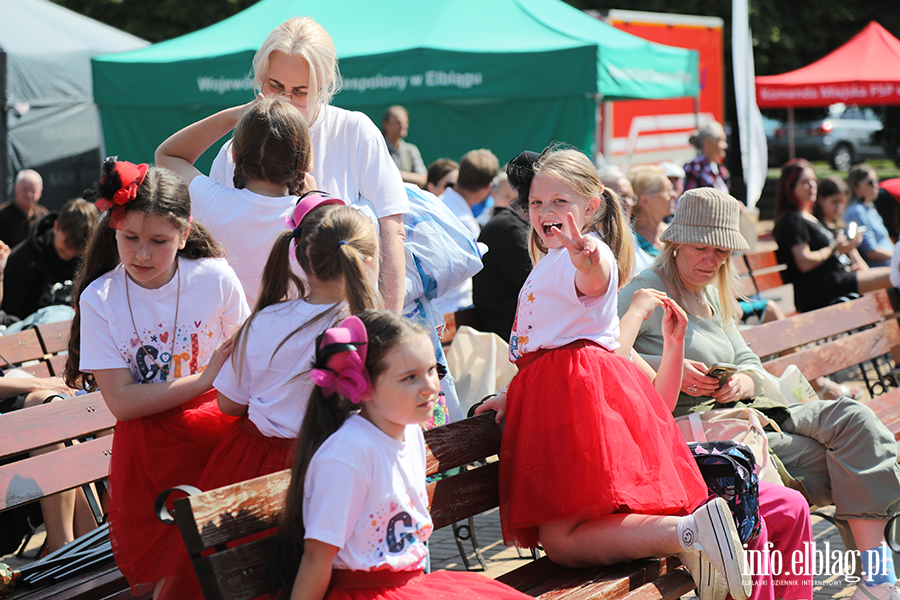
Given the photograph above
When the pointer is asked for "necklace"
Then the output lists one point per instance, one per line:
(700, 300)
(165, 370)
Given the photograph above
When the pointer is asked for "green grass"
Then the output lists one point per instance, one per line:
(885, 168)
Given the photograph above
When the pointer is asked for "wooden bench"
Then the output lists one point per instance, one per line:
(760, 271)
(850, 333)
(40, 351)
(208, 521)
(33, 477)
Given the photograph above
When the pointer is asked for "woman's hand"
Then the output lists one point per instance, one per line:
(309, 183)
(497, 403)
(695, 382)
(674, 323)
(218, 358)
(738, 387)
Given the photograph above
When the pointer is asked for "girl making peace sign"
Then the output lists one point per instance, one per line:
(590, 451)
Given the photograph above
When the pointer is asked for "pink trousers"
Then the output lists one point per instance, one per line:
(785, 528)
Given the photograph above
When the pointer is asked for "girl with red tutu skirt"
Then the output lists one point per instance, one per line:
(156, 306)
(592, 465)
(356, 517)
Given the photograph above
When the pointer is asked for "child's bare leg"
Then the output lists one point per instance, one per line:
(587, 543)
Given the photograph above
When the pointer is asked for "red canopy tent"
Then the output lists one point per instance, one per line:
(864, 71)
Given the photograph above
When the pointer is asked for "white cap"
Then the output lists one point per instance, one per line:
(671, 169)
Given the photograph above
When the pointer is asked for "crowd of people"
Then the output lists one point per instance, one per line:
(293, 347)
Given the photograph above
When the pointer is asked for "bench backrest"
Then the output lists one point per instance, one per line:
(32, 478)
(798, 330)
(43, 344)
(761, 271)
(209, 520)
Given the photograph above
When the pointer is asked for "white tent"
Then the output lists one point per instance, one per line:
(51, 122)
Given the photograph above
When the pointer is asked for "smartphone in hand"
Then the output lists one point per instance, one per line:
(722, 371)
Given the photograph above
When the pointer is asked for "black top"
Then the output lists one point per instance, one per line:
(15, 225)
(825, 283)
(32, 269)
(495, 289)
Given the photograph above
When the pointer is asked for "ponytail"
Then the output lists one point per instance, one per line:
(610, 222)
(324, 416)
(332, 243)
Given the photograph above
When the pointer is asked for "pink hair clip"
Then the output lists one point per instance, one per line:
(340, 364)
(305, 204)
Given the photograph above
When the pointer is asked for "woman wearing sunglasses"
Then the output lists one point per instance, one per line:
(876, 246)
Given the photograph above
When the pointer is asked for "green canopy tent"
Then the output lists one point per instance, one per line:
(501, 74)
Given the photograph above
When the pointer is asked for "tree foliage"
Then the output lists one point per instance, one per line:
(160, 19)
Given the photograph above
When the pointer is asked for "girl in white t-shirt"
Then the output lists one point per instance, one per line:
(156, 306)
(356, 517)
(590, 450)
(272, 158)
(266, 382)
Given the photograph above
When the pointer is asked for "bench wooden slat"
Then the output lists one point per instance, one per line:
(804, 328)
(763, 260)
(231, 512)
(596, 583)
(241, 570)
(470, 440)
(887, 407)
(840, 354)
(464, 495)
(20, 347)
(58, 364)
(673, 584)
(55, 336)
(40, 369)
(54, 472)
(63, 420)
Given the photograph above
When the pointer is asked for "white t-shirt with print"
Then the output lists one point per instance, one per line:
(350, 161)
(211, 308)
(245, 223)
(265, 380)
(365, 493)
(550, 314)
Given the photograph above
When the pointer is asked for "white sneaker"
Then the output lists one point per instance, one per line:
(882, 591)
(709, 582)
(716, 539)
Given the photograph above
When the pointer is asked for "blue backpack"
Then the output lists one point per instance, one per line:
(729, 470)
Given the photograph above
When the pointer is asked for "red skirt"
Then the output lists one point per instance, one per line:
(587, 435)
(149, 455)
(244, 453)
(413, 585)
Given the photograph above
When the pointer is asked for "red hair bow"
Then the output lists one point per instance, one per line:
(130, 177)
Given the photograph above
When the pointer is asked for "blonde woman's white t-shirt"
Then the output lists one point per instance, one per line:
(350, 161)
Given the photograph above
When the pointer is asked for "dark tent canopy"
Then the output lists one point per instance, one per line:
(45, 69)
